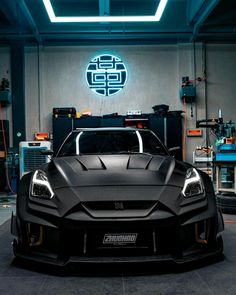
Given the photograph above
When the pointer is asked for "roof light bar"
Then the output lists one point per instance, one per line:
(91, 19)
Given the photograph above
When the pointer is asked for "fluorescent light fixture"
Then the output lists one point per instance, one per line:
(92, 19)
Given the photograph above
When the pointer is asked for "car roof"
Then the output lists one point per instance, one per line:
(109, 129)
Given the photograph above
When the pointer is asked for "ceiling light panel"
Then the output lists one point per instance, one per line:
(133, 8)
(91, 19)
(75, 8)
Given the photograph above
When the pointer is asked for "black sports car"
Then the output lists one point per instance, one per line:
(116, 195)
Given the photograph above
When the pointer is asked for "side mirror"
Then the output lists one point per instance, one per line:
(47, 152)
(174, 150)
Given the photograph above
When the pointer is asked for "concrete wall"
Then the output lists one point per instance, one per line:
(155, 74)
(221, 86)
(56, 77)
(154, 78)
(151, 80)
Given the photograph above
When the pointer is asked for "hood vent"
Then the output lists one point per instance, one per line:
(124, 162)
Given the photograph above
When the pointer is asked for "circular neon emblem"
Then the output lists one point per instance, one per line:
(106, 74)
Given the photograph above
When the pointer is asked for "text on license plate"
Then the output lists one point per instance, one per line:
(127, 238)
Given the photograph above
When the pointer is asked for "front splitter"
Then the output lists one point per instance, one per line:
(152, 259)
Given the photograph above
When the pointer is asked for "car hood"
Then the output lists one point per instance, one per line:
(140, 178)
(116, 170)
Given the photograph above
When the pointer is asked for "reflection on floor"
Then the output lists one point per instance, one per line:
(21, 278)
(7, 206)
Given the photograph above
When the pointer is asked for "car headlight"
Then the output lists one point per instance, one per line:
(41, 187)
(193, 184)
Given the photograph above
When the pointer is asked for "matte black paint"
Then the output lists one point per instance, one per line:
(81, 183)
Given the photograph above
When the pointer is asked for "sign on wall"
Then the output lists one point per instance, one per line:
(106, 74)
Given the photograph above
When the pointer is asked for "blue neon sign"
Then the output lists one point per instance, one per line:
(106, 75)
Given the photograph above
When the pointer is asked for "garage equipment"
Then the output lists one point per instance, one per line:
(5, 94)
(30, 156)
(4, 133)
(225, 161)
(187, 91)
(64, 112)
(225, 138)
(13, 167)
(203, 157)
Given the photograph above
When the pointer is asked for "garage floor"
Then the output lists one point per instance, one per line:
(216, 277)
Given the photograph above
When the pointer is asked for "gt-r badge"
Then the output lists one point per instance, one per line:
(119, 206)
(120, 238)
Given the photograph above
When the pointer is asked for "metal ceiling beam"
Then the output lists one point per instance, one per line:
(118, 39)
(30, 20)
(9, 10)
(193, 9)
(104, 7)
(95, 36)
(221, 19)
(203, 13)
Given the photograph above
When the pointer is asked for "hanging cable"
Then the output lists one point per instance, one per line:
(39, 88)
(5, 150)
(185, 130)
(195, 76)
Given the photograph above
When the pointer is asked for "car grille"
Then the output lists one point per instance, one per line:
(148, 241)
(124, 239)
(119, 209)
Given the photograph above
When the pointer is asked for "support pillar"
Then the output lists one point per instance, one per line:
(18, 93)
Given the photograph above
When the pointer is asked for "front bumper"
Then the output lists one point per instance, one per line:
(217, 251)
(50, 233)
(226, 202)
(81, 243)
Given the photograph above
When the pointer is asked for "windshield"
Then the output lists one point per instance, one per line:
(111, 142)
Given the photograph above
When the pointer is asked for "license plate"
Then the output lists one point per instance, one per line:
(120, 239)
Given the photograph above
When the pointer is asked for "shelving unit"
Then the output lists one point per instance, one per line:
(219, 182)
(203, 160)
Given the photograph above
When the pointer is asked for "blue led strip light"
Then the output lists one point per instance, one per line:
(106, 75)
